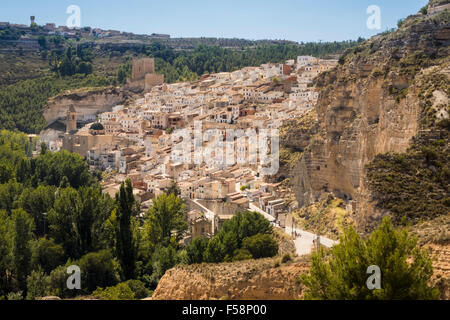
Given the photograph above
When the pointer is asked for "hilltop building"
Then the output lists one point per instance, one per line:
(143, 76)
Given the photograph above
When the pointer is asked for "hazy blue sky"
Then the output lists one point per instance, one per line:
(298, 20)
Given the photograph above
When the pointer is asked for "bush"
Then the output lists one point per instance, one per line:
(242, 254)
(195, 250)
(261, 246)
(122, 291)
(57, 283)
(46, 254)
(128, 290)
(97, 270)
(164, 258)
(405, 269)
(215, 251)
(15, 296)
(424, 10)
(139, 289)
(37, 285)
(97, 126)
(287, 257)
(245, 224)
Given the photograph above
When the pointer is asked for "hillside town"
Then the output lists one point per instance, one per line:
(157, 140)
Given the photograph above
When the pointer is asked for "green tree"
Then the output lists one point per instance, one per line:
(242, 254)
(128, 290)
(5, 253)
(165, 219)
(261, 246)
(174, 188)
(42, 42)
(244, 225)
(126, 244)
(77, 220)
(9, 194)
(46, 255)
(37, 284)
(97, 270)
(22, 228)
(62, 221)
(196, 249)
(230, 244)
(405, 268)
(215, 251)
(38, 202)
(164, 258)
(121, 291)
(57, 283)
(52, 167)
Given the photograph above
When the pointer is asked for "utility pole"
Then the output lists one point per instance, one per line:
(318, 233)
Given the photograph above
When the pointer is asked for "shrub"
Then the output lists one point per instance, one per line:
(15, 296)
(97, 270)
(261, 246)
(286, 258)
(246, 224)
(242, 254)
(37, 285)
(46, 254)
(57, 283)
(215, 251)
(122, 291)
(196, 249)
(405, 269)
(139, 289)
(128, 290)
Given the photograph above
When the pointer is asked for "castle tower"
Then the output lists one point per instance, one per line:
(71, 122)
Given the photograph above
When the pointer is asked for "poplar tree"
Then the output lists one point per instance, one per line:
(126, 244)
(23, 227)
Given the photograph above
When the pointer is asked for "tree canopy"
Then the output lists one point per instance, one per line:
(342, 273)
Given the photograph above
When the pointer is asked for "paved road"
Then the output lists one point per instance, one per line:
(304, 242)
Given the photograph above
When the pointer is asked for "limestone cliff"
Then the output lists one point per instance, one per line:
(246, 280)
(370, 104)
(87, 102)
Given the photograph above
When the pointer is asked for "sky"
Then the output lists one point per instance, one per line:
(296, 20)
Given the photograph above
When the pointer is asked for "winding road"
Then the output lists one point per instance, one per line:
(305, 240)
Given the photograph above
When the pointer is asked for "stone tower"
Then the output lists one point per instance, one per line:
(141, 67)
(71, 123)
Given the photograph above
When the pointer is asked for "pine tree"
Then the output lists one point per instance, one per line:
(343, 274)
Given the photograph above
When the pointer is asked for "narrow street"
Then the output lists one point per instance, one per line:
(305, 239)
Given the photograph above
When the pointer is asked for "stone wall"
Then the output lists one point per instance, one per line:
(141, 67)
(153, 79)
(86, 102)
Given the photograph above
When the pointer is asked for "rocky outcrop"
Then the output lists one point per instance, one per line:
(369, 104)
(86, 102)
(263, 279)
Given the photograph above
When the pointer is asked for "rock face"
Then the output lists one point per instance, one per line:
(87, 102)
(50, 298)
(245, 280)
(369, 104)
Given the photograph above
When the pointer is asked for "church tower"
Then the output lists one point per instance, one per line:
(71, 123)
